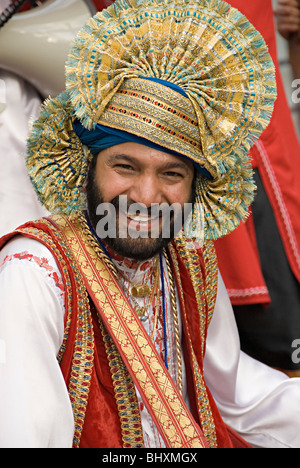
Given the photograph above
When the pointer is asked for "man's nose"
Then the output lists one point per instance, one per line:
(146, 190)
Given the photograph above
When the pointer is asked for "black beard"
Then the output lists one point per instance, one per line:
(139, 248)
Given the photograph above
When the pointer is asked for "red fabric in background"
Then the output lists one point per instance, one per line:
(99, 4)
(277, 156)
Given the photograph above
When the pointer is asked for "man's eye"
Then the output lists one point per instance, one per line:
(173, 174)
(127, 167)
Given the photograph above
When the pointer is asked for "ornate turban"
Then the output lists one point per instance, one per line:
(193, 78)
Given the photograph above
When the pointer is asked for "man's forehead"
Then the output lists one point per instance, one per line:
(138, 153)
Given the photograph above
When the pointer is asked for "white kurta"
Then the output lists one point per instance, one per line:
(263, 405)
(18, 200)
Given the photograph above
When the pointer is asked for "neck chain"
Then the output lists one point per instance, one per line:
(103, 254)
(153, 291)
(142, 290)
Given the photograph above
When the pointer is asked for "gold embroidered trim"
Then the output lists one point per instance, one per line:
(211, 284)
(120, 114)
(83, 354)
(171, 414)
(125, 395)
(140, 107)
(191, 261)
(161, 104)
(204, 409)
(206, 417)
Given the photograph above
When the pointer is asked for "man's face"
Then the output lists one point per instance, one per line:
(130, 194)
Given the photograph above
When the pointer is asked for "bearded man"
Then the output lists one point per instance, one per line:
(116, 328)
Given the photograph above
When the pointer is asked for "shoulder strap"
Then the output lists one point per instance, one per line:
(161, 396)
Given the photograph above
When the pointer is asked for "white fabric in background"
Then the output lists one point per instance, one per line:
(18, 200)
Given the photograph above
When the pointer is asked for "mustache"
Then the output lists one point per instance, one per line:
(122, 201)
(126, 205)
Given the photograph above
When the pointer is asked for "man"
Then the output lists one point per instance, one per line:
(120, 334)
(288, 25)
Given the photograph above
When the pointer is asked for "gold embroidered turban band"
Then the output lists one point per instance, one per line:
(194, 78)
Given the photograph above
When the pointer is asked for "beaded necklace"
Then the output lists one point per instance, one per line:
(107, 258)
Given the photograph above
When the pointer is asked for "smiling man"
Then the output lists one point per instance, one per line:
(155, 187)
(113, 336)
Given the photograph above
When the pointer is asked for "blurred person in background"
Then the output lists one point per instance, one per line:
(288, 25)
(23, 92)
(263, 280)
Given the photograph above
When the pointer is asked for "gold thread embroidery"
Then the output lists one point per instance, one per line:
(125, 394)
(83, 353)
(204, 410)
(171, 415)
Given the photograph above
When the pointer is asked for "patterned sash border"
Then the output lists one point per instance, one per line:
(161, 396)
(204, 409)
(83, 357)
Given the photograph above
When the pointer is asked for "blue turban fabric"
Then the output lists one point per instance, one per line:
(103, 137)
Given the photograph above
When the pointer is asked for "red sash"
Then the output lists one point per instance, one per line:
(161, 396)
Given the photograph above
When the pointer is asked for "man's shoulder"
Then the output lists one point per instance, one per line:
(37, 236)
(39, 229)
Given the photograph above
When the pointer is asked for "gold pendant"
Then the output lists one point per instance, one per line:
(141, 291)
